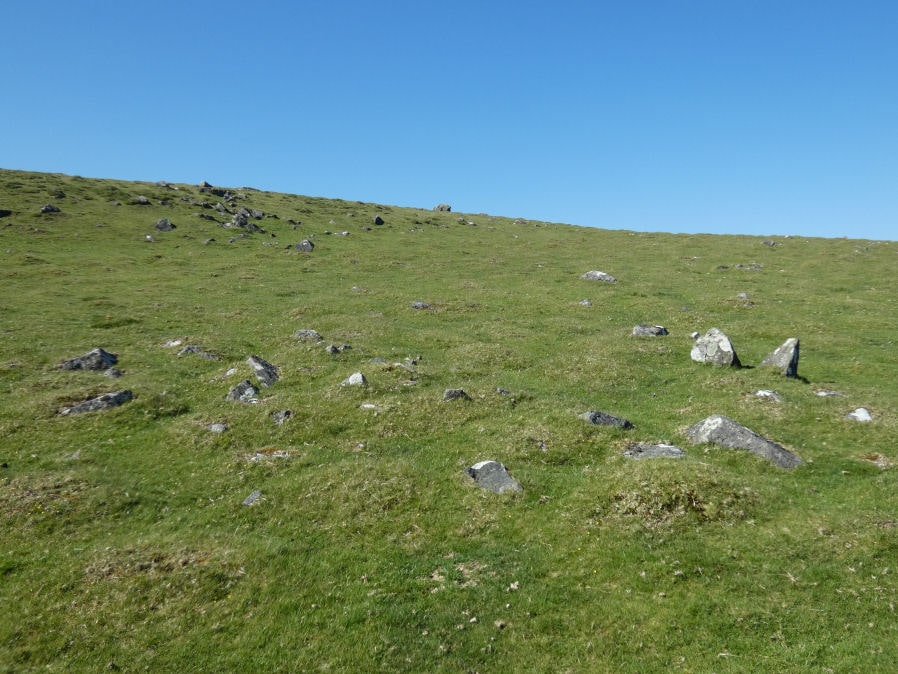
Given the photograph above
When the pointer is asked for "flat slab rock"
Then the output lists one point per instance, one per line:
(595, 275)
(723, 431)
(649, 331)
(657, 451)
(494, 477)
(603, 419)
(244, 392)
(100, 403)
(95, 359)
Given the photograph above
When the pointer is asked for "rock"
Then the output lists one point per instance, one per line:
(95, 359)
(244, 392)
(164, 225)
(585, 303)
(445, 208)
(455, 394)
(421, 305)
(769, 395)
(355, 379)
(197, 350)
(649, 331)
(725, 432)
(829, 394)
(265, 372)
(103, 402)
(252, 498)
(603, 419)
(5, 213)
(141, 201)
(307, 335)
(113, 373)
(241, 220)
(861, 414)
(281, 417)
(334, 350)
(49, 208)
(217, 427)
(784, 358)
(493, 476)
(305, 246)
(378, 220)
(598, 276)
(770, 243)
(715, 347)
(657, 451)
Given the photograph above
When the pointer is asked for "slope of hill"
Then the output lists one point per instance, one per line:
(365, 545)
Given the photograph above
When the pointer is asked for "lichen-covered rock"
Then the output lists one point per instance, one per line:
(244, 392)
(95, 359)
(103, 402)
(355, 379)
(784, 358)
(493, 476)
(716, 348)
(725, 432)
(649, 331)
(595, 275)
(603, 419)
(265, 372)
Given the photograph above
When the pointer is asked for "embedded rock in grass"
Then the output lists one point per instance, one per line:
(265, 372)
(95, 359)
(769, 395)
(784, 358)
(305, 246)
(252, 498)
(725, 432)
(378, 220)
(455, 394)
(49, 208)
(103, 402)
(861, 414)
(355, 379)
(649, 331)
(113, 373)
(494, 477)
(334, 350)
(281, 417)
(715, 347)
(445, 208)
(5, 213)
(603, 419)
(244, 392)
(217, 427)
(164, 225)
(598, 276)
(657, 451)
(418, 304)
(197, 350)
(307, 335)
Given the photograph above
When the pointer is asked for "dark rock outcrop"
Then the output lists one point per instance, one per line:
(244, 392)
(656, 451)
(493, 476)
(649, 331)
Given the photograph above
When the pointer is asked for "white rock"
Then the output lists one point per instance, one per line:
(861, 414)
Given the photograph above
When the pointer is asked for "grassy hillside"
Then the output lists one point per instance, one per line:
(126, 542)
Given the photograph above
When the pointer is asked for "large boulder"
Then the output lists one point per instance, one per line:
(784, 358)
(715, 347)
(723, 431)
(493, 476)
(95, 359)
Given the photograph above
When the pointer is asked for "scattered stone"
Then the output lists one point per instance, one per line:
(308, 335)
(265, 372)
(602, 419)
(769, 395)
(861, 414)
(305, 246)
(829, 394)
(598, 276)
(455, 394)
(252, 498)
(95, 359)
(113, 373)
(103, 402)
(784, 358)
(149, 238)
(421, 305)
(769, 243)
(5, 213)
(444, 208)
(49, 208)
(334, 350)
(217, 427)
(378, 220)
(725, 432)
(244, 392)
(585, 303)
(715, 347)
(657, 451)
(493, 476)
(164, 225)
(172, 343)
(141, 201)
(197, 350)
(649, 331)
(281, 417)
(355, 379)
(743, 296)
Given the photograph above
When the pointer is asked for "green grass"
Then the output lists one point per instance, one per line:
(124, 537)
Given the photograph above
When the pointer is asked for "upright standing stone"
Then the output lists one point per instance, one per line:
(715, 347)
(784, 358)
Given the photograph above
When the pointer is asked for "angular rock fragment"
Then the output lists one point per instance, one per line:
(649, 331)
(164, 225)
(378, 220)
(252, 498)
(861, 414)
(244, 392)
(265, 372)
(595, 275)
(455, 394)
(714, 347)
(281, 417)
(784, 358)
(656, 451)
(103, 402)
(418, 304)
(602, 419)
(494, 477)
(445, 208)
(95, 359)
(49, 208)
(355, 379)
(217, 427)
(307, 335)
(725, 432)
(305, 246)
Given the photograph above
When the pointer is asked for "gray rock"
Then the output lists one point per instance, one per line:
(103, 402)
(194, 349)
(141, 201)
(585, 303)
(656, 451)
(252, 498)
(769, 395)
(715, 347)
(445, 208)
(307, 335)
(305, 246)
(355, 379)
(265, 372)
(217, 427)
(602, 419)
(598, 276)
(281, 417)
(164, 225)
(649, 331)
(334, 350)
(244, 392)
(455, 394)
(725, 432)
(95, 359)
(49, 208)
(493, 476)
(829, 394)
(784, 358)
(417, 304)
(861, 414)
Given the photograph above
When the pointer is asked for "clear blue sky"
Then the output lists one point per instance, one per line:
(722, 116)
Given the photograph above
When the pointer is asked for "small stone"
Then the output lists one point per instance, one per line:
(595, 275)
(445, 208)
(265, 372)
(244, 392)
(829, 394)
(602, 419)
(378, 220)
(784, 358)
(305, 246)
(725, 432)
(252, 498)
(355, 379)
(770, 395)
(103, 402)
(649, 331)
(164, 225)
(861, 414)
(455, 394)
(656, 451)
(113, 373)
(585, 303)
(493, 476)
(421, 305)
(715, 347)
(49, 208)
(95, 359)
(307, 335)
(281, 417)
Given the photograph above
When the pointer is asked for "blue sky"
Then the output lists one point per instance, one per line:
(721, 116)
